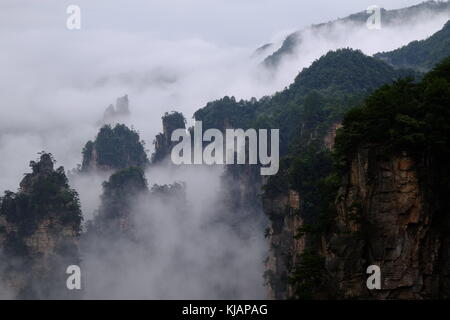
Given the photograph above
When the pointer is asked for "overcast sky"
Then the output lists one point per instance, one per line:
(227, 22)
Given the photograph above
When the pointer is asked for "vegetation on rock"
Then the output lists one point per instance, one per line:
(114, 148)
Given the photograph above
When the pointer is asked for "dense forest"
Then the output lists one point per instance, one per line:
(421, 55)
(318, 97)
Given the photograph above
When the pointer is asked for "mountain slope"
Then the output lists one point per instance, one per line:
(294, 41)
(347, 71)
(421, 55)
(318, 97)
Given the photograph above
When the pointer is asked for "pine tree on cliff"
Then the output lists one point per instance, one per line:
(39, 230)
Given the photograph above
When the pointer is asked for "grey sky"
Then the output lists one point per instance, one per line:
(227, 22)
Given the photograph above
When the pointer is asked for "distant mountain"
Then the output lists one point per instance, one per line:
(320, 94)
(263, 50)
(294, 41)
(420, 55)
(347, 71)
(119, 111)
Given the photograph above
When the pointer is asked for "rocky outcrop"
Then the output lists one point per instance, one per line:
(120, 192)
(163, 143)
(385, 219)
(114, 148)
(119, 112)
(39, 230)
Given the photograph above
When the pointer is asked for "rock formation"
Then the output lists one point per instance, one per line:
(119, 112)
(163, 144)
(385, 219)
(39, 230)
(113, 149)
(385, 202)
(120, 193)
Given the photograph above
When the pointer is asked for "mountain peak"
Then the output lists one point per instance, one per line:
(346, 70)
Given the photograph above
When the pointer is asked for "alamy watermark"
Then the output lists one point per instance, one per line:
(73, 282)
(225, 149)
(374, 280)
(374, 20)
(73, 21)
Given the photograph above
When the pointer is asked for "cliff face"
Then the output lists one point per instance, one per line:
(385, 219)
(39, 230)
(289, 212)
(384, 203)
(283, 212)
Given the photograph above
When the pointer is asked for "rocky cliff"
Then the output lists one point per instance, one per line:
(383, 203)
(283, 211)
(386, 219)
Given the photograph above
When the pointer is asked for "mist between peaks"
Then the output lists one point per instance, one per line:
(211, 147)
